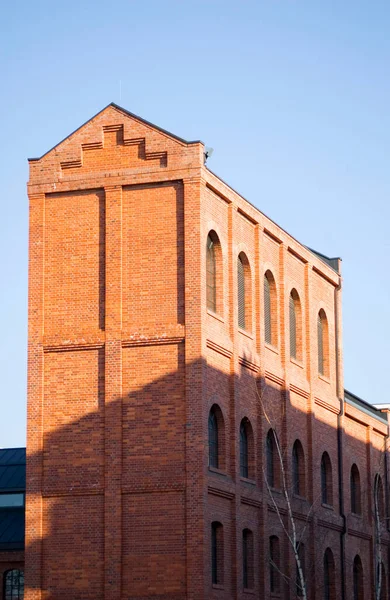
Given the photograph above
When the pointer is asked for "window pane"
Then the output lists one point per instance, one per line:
(11, 500)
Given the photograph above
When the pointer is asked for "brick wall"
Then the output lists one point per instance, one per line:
(125, 363)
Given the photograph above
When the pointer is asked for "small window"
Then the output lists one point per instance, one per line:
(329, 576)
(217, 562)
(247, 559)
(11, 500)
(273, 460)
(270, 309)
(216, 433)
(326, 480)
(214, 280)
(244, 293)
(358, 590)
(300, 582)
(323, 344)
(295, 326)
(244, 469)
(356, 502)
(274, 565)
(379, 507)
(14, 585)
(246, 449)
(298, 470)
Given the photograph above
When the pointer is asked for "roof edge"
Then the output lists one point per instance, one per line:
(129, 114)
(364, 405)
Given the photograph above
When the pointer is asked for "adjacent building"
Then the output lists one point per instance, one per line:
(189, 436)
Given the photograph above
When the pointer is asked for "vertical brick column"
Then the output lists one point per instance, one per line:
(195, 422)
(113, 396)
(33, 558)
(234, 394)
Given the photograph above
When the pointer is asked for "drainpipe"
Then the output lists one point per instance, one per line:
(340, 395)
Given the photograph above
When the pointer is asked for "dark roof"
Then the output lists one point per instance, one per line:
(332, 262)
(12, 469)
(130, 114)
(365, 406)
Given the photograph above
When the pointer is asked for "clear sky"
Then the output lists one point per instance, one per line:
(293, 95)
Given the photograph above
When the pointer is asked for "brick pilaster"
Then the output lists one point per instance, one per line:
(113, 396)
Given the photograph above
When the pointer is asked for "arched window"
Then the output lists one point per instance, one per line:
(298, 470)
(270, 309)
(379, 506)
(356, 502)
(326, 480)
(216, 430)
(246, 449)
(323, 344)
(214, 273)
(244, 292)
(14, 585)
(274, 564)
(299, 584)
(273, 460)
(295, 326)
(358, 590)
(329, 576)
(247, 559)
(217, 552)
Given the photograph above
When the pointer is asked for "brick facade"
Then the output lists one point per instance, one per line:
(126, 362)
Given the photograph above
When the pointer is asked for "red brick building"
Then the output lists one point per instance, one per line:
(178, 338)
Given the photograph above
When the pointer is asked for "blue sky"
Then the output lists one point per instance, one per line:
(293, 95)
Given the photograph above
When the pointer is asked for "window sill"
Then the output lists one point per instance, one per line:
(250, 591)
(357, 516)
(275, 490)
(217, 471)
(218, 586)
(215, 316)
(272, 348)
(327, 506)
(247, 334)
(297, 362)
(248, 480)
(324, 378)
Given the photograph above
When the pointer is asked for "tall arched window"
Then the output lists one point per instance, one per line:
(326, 480)
(323, 344)
(214, 273)
(247, 559)
(356, 501)
(270, 309)
(217, 553)
(246, 449)
(329, 576)
(295, 326)
(244, 292)
(273, 461)
(216, 429)
(358, 590)
(14, 585)
(274, 564)
(298, 470)
(379, 505)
